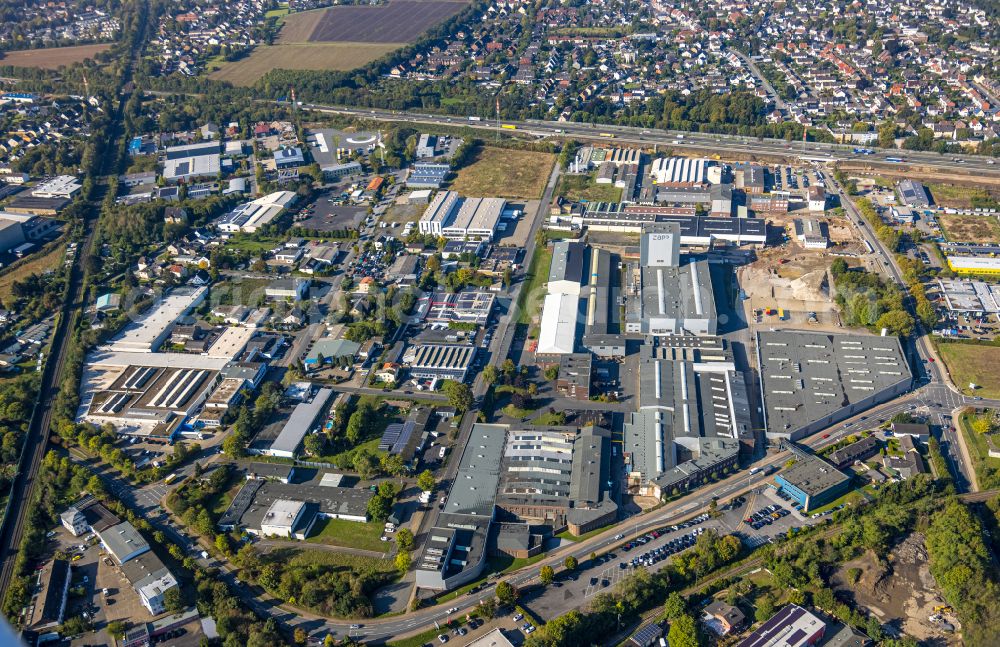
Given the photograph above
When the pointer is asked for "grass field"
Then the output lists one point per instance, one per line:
(987, 469)
(970, 229)
(948, 195)
(300, 56)
(582, 187)
(53, 57)
(350, 534)
(973, 363)
(505, 173)
(307, 557)
(531, 297)
(32, 265)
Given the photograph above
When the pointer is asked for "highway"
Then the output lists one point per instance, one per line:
(730, 146)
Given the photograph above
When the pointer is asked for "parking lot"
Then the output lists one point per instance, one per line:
(653, 550)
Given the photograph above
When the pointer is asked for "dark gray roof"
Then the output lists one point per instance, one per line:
(813, 475)
(475, 487)
(567, 261)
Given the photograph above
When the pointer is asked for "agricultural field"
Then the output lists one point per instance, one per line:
(970, 229)
(52, 58)
(399, 21)
(300, 56)
(973, 363)
(499, 172)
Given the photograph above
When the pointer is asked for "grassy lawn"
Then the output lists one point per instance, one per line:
(505, 173)
(501, 565)
(587, 535)
(948, 195)
(239, 291)
(306, 557)
(973, 363)
(970, 229)
(851, 497)
(531, 297)
(987, 469)
(583, 188)
(254, 247)
(34, 264)
(350, 534)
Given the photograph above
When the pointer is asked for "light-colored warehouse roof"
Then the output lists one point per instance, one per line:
(560, 314)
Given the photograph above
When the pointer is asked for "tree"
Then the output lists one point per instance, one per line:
(329, 641)
(593, 557)
(683, 632)
(173, 601)
(570, 563)
(897, 322)
(675, 606)
(300, 636)
(765, 608)
(222, 543)
(403, 561)
(506, 593)
(426, 481)
(459, 395)
(488, 608)
(116, 628)
(490, 374)
(551, 373)
(404, 539)
(546, 575)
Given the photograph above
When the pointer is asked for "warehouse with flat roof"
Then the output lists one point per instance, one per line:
(811, 380)
(440, 361)
(558, 477)
(812, 481)
(696, 231)
(455, 550)
(665, 294)
(304, 415)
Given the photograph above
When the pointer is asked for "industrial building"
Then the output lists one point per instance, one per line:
(557, 477)
(286, 507)
(913, 194)
(150, 329)
(812, 481)
(965, 296)
(679, 171)
(455, 550)
(439, 361)
(816, 197)
(693, 416)
(809, 232)
(665, 296)
(557, 333)
(49, 608)
(185, 163)
(151, 579)
(251, 216)
(987, 265)
(304, 415)
(602, 334)
(426, 175)
(811, 380)
(468, 306)
(61, 186)
(793, 626)
(458, 218)
(696, 231)
(574, 376)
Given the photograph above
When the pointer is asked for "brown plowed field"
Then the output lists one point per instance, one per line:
(52, 58)
(399, 21)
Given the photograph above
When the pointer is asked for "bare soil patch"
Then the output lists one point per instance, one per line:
(399, 21)
(901, 592)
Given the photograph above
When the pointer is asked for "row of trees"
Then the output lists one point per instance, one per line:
(869, 300)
